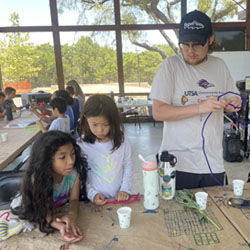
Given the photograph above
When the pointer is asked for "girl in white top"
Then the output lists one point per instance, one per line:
(107, 149)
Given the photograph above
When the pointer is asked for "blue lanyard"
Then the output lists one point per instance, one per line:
(203, 127)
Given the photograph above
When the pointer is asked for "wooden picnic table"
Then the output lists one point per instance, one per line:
(238, 216)
(169, 227)
(18, 137)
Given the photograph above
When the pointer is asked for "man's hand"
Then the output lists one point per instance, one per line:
(236, 102)
(211, 105)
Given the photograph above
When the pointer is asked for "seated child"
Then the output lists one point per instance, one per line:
(56, 174)
(2, 111)
(61, 121)
(107, 149)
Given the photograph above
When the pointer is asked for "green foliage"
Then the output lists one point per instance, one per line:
(17, 55)
(186, 198)
(45, 61)
(86, 60)
(149, 11)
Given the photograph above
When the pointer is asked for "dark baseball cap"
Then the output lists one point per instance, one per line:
(195, 26)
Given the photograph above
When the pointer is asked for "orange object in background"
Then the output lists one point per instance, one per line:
(21, 87)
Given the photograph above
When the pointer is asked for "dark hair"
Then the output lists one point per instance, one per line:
(70, 90)
(212, 46)
(102, 105)
(9, 90)
(59, 103)
(37, 187)
(2, 95)
(65, 95)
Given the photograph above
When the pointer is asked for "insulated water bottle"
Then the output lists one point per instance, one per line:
(167, 174)
(151, 184)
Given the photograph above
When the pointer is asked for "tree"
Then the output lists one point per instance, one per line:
(45, 61)
(153, 11)
(17, 55)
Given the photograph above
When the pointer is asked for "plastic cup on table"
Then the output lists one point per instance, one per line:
(4, 137)
(238, 186)
(201, 199)
(124, 216)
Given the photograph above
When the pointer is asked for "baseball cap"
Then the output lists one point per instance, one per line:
(195, 26)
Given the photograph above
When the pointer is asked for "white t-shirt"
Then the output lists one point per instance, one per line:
(62, 124)
(179, 84)
(110, 172)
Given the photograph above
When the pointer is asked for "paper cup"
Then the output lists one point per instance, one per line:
(124, 216)
(201, 199)
(238, 186)
(4, 137)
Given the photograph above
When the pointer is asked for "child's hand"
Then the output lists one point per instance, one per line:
(32, 109)
(34, 105)
(3, 113)
(122, 196)
(69, 236)
(70, 225)
(99, 199)
(39, 123)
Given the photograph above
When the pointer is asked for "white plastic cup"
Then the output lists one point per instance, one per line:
(238, 186)
(124, 216)
(201, 199)
(4, 137)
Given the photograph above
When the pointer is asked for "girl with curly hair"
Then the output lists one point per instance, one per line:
(56, 174)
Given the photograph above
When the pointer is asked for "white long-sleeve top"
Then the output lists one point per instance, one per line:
(110, 172)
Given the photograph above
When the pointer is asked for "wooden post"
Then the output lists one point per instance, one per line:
(248, 25)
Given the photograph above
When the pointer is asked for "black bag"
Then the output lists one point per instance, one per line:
(10, 185)
(231, 146)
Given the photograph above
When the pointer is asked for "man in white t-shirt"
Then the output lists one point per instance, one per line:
(186, 88)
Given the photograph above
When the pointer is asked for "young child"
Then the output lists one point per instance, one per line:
(107, 149)
(56, 174)
(10, 94)
(2, 111)
(61, 121)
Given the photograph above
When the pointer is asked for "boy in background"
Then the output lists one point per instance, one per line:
(2, 110)
(61, 121)
(10, 94)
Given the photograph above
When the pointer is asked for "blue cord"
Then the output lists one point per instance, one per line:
(203, 127)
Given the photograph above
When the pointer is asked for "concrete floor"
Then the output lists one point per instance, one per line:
(146, 141)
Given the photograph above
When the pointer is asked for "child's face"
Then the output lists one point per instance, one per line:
(55, 112)
(1, 100)
(100, 127)
(64, 160)
(12, 95)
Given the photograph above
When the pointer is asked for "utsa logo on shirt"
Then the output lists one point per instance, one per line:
(205, 84)
(184, 98)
